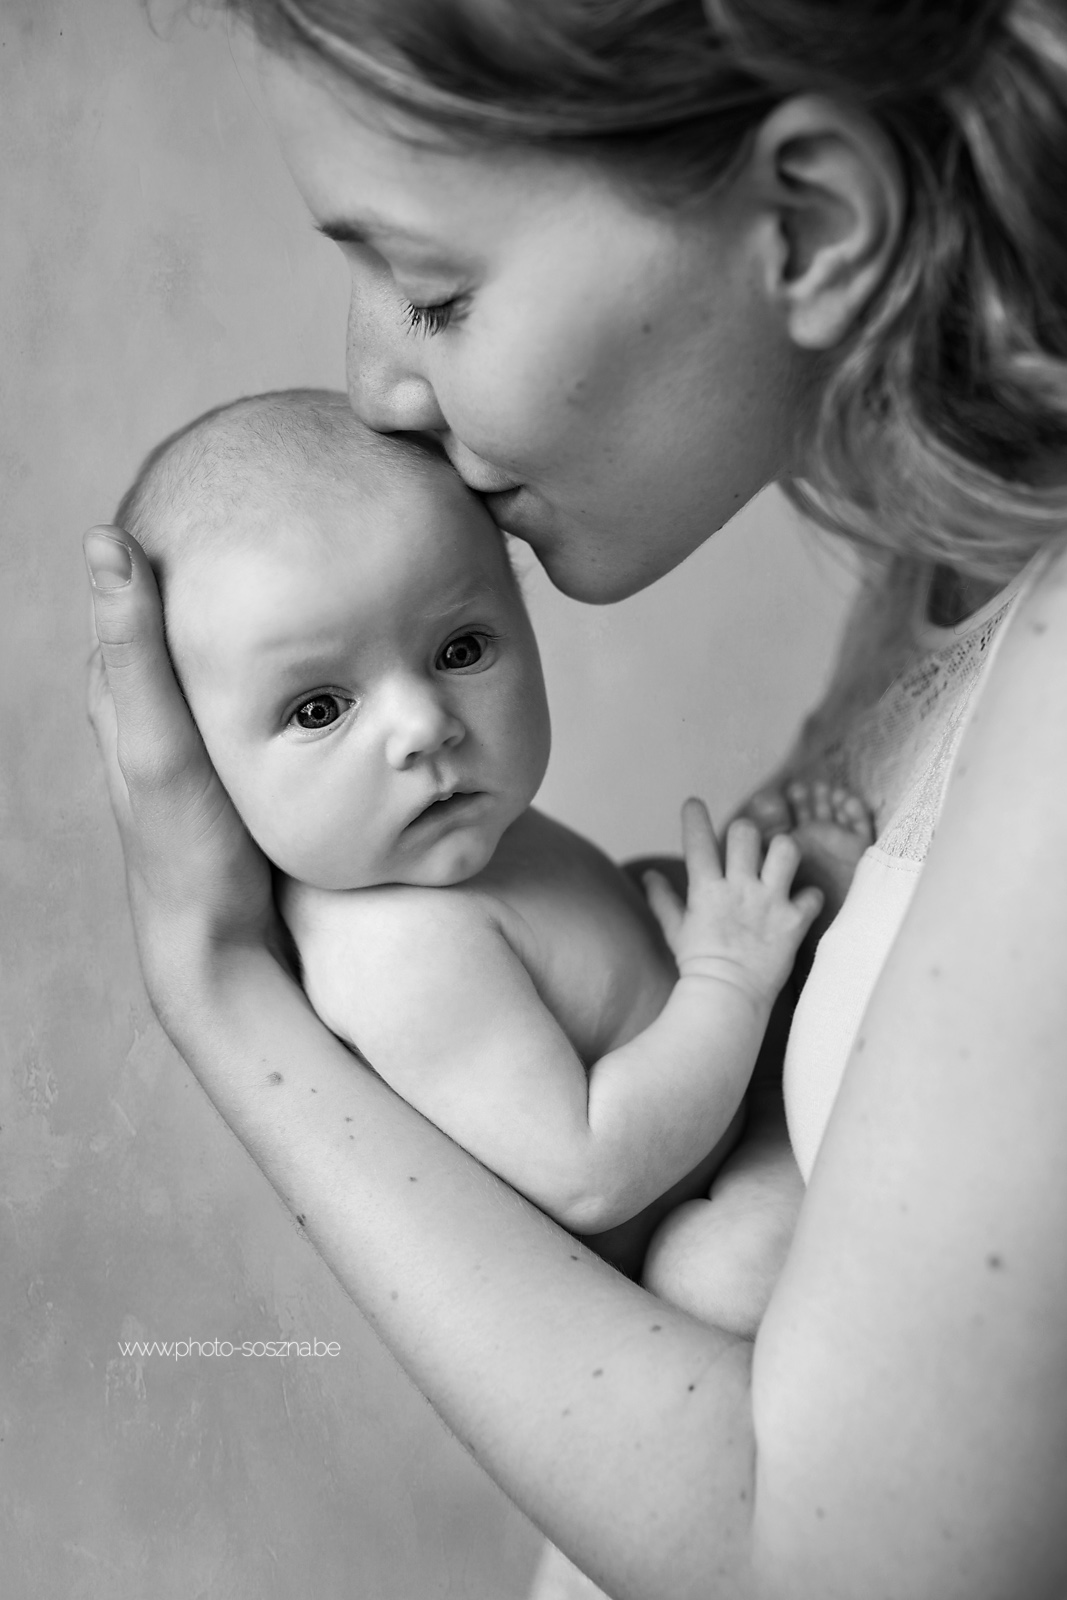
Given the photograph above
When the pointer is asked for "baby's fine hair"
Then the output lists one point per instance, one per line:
(942, 430)
(190, 487)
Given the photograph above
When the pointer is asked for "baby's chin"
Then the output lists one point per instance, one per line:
(448, 862)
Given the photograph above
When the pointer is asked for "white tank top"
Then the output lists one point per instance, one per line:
(888, 730)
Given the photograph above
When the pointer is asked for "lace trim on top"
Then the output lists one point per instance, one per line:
(897, 753)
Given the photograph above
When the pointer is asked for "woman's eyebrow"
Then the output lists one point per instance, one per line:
(351, 230)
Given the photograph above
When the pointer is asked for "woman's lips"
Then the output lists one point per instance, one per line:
(503, 497)
(505, 506)
(477, 474)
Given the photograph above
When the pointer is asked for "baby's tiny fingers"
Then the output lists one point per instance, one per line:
(666, 906)
(780, 863)
(744, 847)
(809, 902)
(699, 844)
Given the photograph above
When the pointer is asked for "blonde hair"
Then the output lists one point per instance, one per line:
(942, 428)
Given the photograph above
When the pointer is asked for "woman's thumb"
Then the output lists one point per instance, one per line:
(109, 558)
(152, 716)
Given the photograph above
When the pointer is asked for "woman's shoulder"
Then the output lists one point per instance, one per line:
(1017, 724)
(1049, 587)
(926, 1263)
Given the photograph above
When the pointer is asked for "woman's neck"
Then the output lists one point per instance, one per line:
(954, 596)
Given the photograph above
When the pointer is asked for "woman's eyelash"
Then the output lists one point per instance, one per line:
(432, 319)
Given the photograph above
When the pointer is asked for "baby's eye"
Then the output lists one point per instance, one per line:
(466, 651)
(319, 711)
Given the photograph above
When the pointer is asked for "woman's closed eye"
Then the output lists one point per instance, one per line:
(429, 319)
(320, 710)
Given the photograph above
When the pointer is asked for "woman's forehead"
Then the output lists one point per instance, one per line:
(370, 174)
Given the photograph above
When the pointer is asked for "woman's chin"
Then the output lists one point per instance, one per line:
(593, 581)
(590, 565)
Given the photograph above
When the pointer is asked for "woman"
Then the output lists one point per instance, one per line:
(629, 264)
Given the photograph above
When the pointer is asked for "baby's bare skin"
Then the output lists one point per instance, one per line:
(831, 826)
(353, 644)
(488, 1004)
(584, 931)
(719, 1256)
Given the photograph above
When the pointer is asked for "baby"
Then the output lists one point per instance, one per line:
(351, 640)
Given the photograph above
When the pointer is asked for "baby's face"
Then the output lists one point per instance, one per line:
(367, 683)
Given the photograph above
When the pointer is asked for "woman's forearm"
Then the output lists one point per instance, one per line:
(620, 1425)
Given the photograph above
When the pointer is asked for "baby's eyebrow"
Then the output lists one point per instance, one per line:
(295, 667)
(458, 599)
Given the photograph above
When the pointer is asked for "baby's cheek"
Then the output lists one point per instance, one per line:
(318, 847)
(281, 819)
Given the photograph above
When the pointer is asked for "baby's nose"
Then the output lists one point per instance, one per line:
(421, 724)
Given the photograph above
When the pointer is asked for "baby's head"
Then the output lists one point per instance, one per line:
(350, 637)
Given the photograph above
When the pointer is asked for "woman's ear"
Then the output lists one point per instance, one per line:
(832, 181)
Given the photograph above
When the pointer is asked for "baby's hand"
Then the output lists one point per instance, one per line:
(738, 926)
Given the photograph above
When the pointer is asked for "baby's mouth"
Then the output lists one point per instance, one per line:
(445, 805)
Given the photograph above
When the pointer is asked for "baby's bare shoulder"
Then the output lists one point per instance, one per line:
(382, 919)
(373, 960)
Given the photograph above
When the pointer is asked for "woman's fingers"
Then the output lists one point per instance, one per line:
(140, 717)
(184, 843)
(102, 720)
(699, 844)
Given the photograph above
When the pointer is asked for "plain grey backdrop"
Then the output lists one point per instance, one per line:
(156, 261)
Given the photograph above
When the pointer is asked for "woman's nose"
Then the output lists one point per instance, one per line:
(387, 389)
(420, 726)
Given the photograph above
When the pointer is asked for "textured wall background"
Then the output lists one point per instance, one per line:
(154, 261)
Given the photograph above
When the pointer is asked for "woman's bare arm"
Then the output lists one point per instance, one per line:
(926, 1291)
(904, 1429)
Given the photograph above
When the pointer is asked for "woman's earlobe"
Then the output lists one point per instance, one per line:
(834, 181)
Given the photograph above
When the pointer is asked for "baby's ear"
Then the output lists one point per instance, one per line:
(834, 184)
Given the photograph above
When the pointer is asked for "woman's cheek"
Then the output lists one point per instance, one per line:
(515, 404)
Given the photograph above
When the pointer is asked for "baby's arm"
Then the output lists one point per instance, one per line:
(720, 1257)
(428, 987)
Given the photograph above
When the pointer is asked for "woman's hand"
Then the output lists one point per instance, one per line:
(195, 878)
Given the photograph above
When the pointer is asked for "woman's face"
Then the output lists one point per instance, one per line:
(615, 380)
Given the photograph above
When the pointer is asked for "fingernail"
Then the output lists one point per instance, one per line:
(109, 561)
